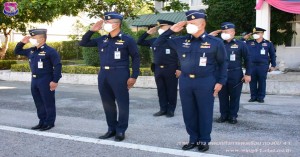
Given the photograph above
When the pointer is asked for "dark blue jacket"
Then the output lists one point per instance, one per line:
(255, 52)
(242, 55)
(190, 49)
(107, 47)
(162, 54)
(46, 54)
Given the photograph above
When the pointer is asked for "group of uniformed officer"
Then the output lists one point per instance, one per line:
(205, 65)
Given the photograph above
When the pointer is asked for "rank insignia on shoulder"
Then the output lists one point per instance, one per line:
(205, 45)
(264, 44)
(234, 46)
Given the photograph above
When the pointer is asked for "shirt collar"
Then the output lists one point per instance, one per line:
(201, 37)
(118, 36)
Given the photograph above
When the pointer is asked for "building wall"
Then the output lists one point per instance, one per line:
(288, 57)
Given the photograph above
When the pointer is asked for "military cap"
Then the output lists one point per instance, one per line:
(258, 30)
(227, 25)
(34, 32)
(164, 22)
(194, 14)
(112, 15)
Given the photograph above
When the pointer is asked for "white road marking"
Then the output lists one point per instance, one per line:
(4, 87)
(109, 143)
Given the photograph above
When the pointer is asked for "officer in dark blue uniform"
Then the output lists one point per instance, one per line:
(45, 66)
(238, 54)
(262, 54)
(114, 79)
(166, 69)
(203, 61)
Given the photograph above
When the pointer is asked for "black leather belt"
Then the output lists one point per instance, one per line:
(161, 66)
(238, 68)
(259, 63)
(113, 67)
(40, 75)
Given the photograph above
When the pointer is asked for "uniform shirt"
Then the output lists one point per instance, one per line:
(108, 46)
(47, 55)
(238, 54)
(190, 49)
(162, 54)
(263, 52)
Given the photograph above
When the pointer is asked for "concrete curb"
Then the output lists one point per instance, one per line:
(285, 84)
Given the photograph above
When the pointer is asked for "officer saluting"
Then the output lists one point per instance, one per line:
(114, 80)
(262, 54)
(45, 66)
(230, 93)
(203, 63)
(166, 69)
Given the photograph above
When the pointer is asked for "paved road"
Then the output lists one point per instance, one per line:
(269, 129)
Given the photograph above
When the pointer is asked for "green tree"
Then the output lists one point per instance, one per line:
(242, 14)
(31, 11)
(130, 8)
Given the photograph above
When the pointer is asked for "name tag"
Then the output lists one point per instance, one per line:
(203, 60)
(40, 64)
(262, 51)
(168, 51)
(232, 56)
(117, 54)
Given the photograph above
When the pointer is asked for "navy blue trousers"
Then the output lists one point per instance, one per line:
(258, 81)
(197, 105)
(112, 85)
(230, 94)
(44, 99)
(166, 83)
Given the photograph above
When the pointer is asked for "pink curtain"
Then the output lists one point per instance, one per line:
(290, 6)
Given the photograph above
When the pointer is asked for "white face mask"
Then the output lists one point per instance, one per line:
(225, 36)
(192, 29)
(160, 31)
(108, 27)
(256, 36)
(33, 42)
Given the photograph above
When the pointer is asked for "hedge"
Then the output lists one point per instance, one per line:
(67, 50)
(6, 64)
(76, 69)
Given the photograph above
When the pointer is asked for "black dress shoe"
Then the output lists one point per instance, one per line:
(170, 114)
(232, 120)
(119, 137)
(46, 127)
(260, 100)
(222, 119)
(39, 126)
(160, 113)
(203, 147)
(252, 100)
(189, 146)
(108, 134)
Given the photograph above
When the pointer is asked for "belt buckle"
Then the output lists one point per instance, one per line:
(34, 76)
(106, 67)
(162, 66)
(192, 76)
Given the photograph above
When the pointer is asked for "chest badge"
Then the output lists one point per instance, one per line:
(252, 43)
(120, 42)
(264, 44)
(43, 53)
(186, 44)
(205, 45)
(234, 46)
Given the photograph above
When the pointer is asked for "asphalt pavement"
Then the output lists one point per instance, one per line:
(267, 130)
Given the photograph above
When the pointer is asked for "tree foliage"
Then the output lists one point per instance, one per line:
(243, 15)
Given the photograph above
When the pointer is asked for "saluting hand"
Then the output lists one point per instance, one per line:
(53, 86)
(97, 26)
(215, 33)
(247, 36)
(178, 26)
(217, 88)
(152, 30)
(130, 82)
(25, 40)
